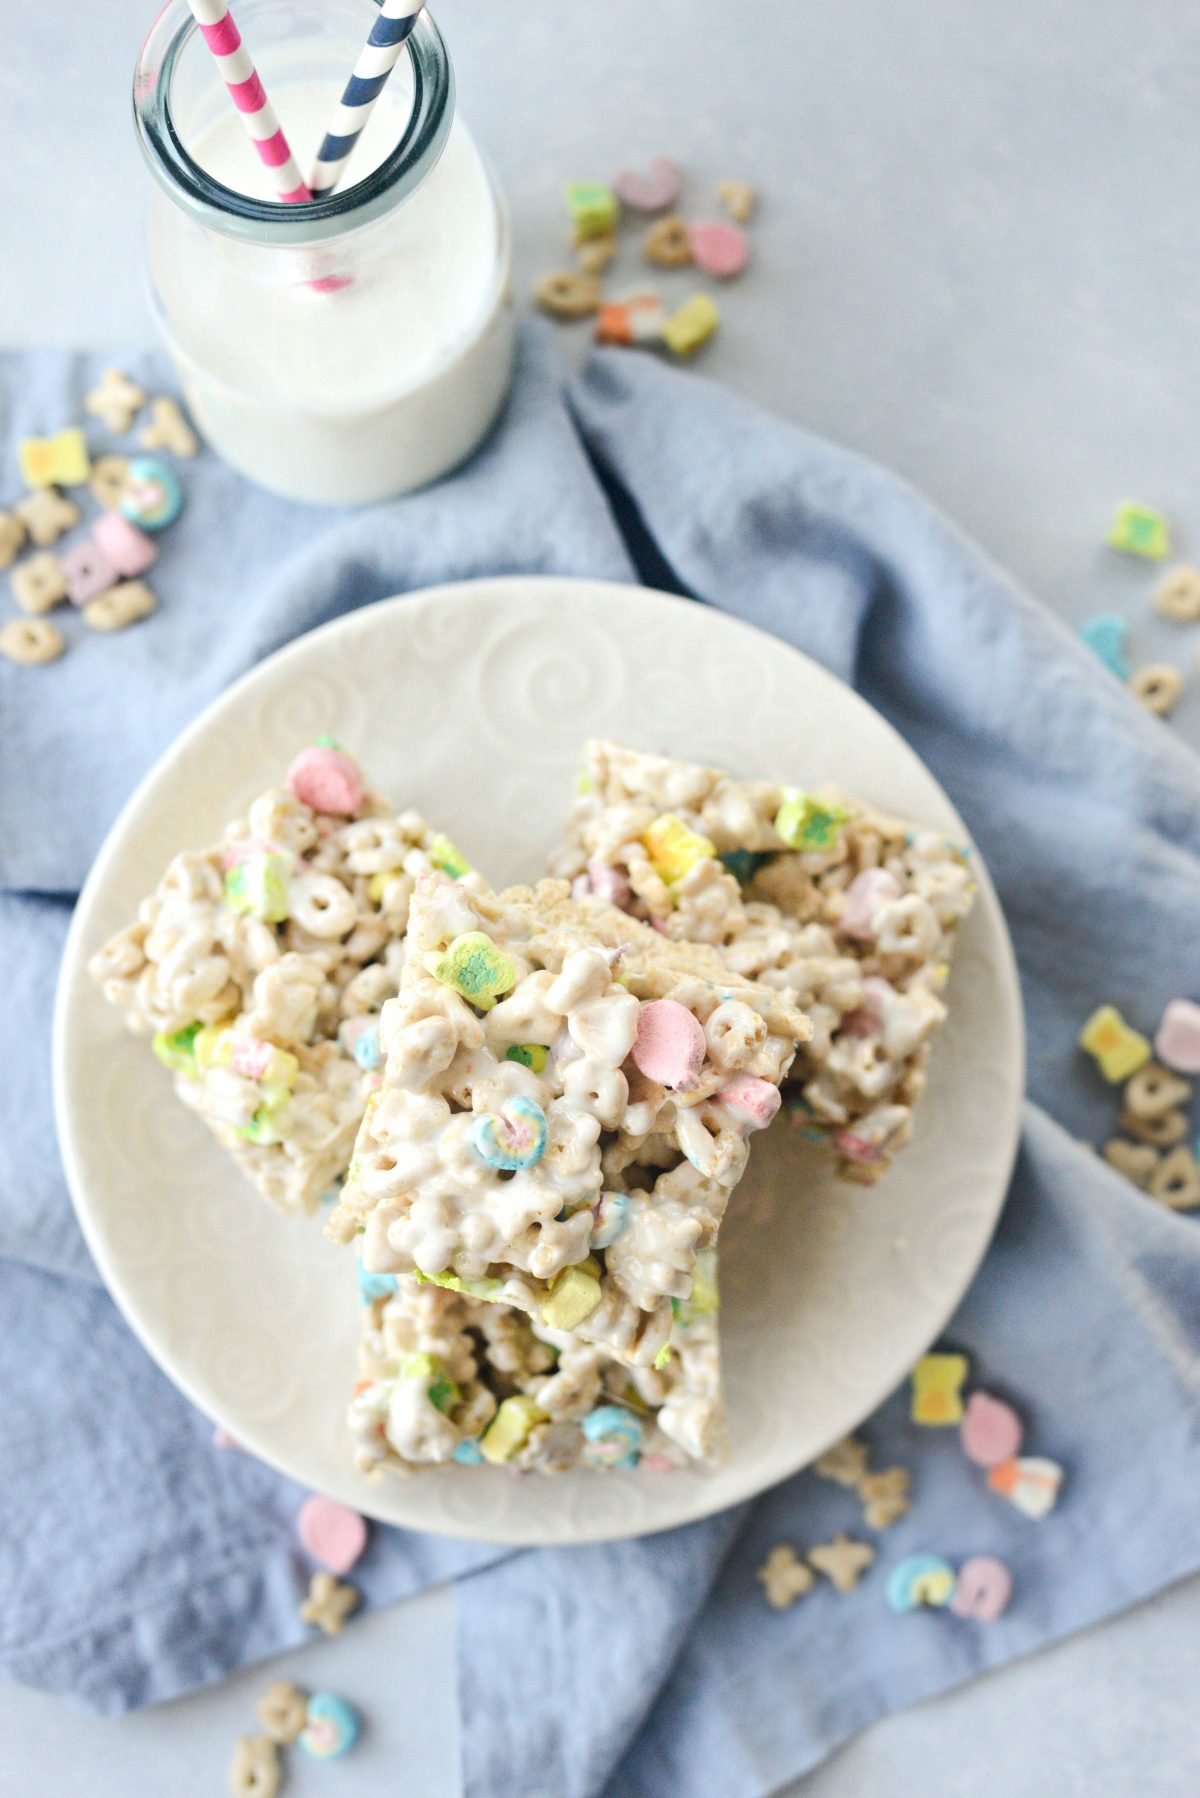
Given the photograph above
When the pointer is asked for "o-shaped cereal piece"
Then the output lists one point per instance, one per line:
(122, 605)
(567, 295)
(321, 905)
(668, 243)
(282, 1711)
(1158, 686)
(31, 641)
(255, 1772)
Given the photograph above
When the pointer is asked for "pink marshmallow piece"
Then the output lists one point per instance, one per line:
(87, 572)
(222, 1439)
(609, 883)
(719, 247)
(651, 191)
(1177, 1041)
(129, 550)
(670, 1044)
(328, 780)
(855, 1148)
(983, 1590)
(756, 1100)
(867, 893)
(331, 1533)
(990, 1431)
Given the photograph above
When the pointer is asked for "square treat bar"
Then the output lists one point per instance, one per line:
(564, 1112)
(259, 967)
(447, 1378)
(849, 912)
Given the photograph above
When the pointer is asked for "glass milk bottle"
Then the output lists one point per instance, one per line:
(352, 348)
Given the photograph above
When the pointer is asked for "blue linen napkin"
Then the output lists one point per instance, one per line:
(137, 1562)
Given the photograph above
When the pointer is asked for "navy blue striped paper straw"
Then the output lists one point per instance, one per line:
(376, 62)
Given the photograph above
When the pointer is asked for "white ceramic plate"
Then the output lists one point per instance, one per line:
(471, 702)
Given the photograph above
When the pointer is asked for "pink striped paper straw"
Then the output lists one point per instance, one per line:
(250, 97)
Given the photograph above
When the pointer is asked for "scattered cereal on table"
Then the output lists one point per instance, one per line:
(920, 1580)
(1164, 1131)
(153, 497)
(1139, 531)
(739, 200)
(87, 572)
(1177, 1039)
(256, 1772)
(1154, 1090)
(46, 514)
(568, 295)
(639, 319)
(845, 1463)
(168, 429)
(668, 244)
(1106, 636)
(332, 1728)
(31, 641)
(129, 550)
(595, 255)
(843, 1561)
(719, 247)
(651, 190)
(690, 328)
(990, 1431)
(110, 477)
(116, 401)
(784, 1577)
(1136, 1160)
(39, 583)
(61, 460)
(331, 1533)
(1032, 1484)
(1158, 686)
(12, 537)
(594, 209)
(984, 1589)
(1177, 595)
(937, 1382)
(1118, 1050)
(282, 1710)
(122, 605)
(884, 1497)
(329, 1603)
(1176, 1180)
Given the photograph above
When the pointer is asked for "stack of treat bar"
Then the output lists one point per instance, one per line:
(530, 1108)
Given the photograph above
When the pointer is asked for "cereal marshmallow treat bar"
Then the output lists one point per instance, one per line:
(259, 967)
(850, 913)
(565, 1108)
(447, 1378)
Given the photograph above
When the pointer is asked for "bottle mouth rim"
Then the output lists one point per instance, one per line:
(240, 215)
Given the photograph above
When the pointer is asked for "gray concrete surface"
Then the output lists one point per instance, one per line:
(974, 261)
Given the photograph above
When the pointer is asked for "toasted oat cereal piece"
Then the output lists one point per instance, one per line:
(595, 255)
(116, 401)
(668, 243)
(256, 1772)
(39, 583)
(329, 1603)
(1177, 595)
(784, 1577)
(168, 429)
(843, 1561)
(1136, 1160)
(259, 967)
(1164, 1131)
(125, 604)
(849, 912)
(1153, 1090)
(46, 514)
(884, 1496)
(1176, 1181)
(31, 641)
(110, 478)
(445, 1377)
(845, 1463)
(739, 200)
(568, 295)
(537, 1139)
(282, 1710)
(12, 538)
(1159, 686)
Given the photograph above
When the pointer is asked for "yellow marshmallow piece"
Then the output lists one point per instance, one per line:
(1118, 1050)
(937, 1389)
(673, 849)
(61, 460)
